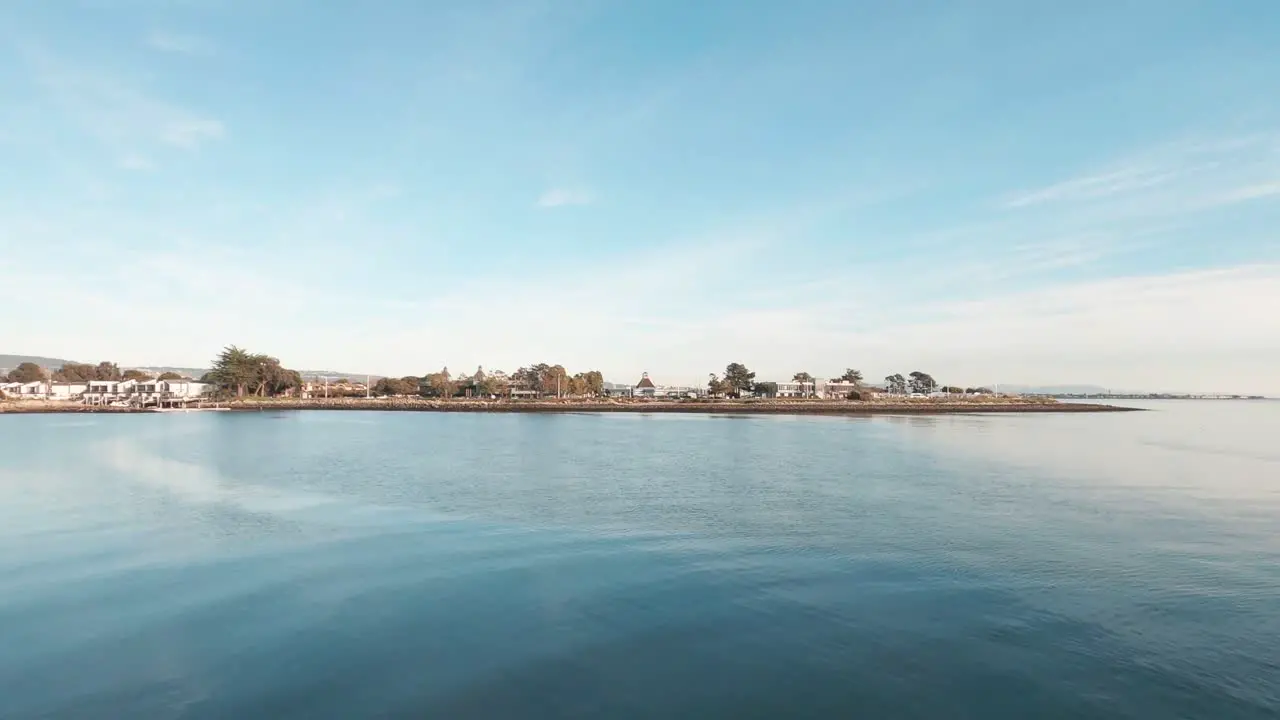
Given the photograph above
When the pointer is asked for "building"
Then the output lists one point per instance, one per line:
(67, 390)
(645, 388)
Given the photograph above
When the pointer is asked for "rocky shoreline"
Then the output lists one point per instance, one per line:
(717, 407)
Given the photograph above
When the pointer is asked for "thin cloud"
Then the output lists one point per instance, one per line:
(120, 114)
(192, 132)
(1094, 186)
(1172, 178)
(178, 43)
(563, 197)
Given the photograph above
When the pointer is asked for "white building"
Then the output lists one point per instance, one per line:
(67, 390)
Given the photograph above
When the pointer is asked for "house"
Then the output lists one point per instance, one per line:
(32, 390)
(645, 388)
(67, 390)
(184, 389)
(101, 392)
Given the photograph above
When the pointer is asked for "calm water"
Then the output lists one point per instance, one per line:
(342, 565)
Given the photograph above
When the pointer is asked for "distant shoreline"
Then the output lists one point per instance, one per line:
(740, 407)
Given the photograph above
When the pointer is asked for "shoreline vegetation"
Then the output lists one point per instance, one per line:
(240, 380)
(752, 406)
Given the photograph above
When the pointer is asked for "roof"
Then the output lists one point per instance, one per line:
(645, 382)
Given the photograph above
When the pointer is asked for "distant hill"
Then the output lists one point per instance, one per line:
(9, 362)
(1056, 389)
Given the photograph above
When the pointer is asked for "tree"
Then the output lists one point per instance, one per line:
(76, 372)
(595, 382)
(896, 384)
(237, 371)
(138, 375)
(439, 384)
(922, 382)
(394, 386)
(852, 376)
(953, 390)
(717, 387)
(108, 371)
(170, 376)
(27, 372)
(803, 378)
(233, 370)
(765, 389)
(739, 379)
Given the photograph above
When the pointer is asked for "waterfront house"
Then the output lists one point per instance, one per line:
(101, 392)
(645, 388)
(67, 390)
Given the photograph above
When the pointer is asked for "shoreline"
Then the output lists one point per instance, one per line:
(720, 407)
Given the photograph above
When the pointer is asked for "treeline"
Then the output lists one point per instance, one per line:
(540, 379)
(738, 381)
(82, 372)
(239, 373)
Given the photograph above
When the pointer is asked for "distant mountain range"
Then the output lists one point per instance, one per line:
(1056, 389)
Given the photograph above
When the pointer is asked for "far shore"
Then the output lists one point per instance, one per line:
(716, 407)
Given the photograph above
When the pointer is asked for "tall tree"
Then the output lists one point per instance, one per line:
(803, 378)
(715, 386)
(766, 389)
(233, 370)
(27, 372)
(595, 382)
(852, 376)
(108, 371)
(739, 379)
(922, 382)
(440, 384)
(896, 384)
(76, 372)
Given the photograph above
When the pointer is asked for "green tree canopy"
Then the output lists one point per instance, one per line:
(138, 375)
(237, 371)
(170, 376)
(27, 372)
(739, 378)
(766, 389)
(922, 382)
(896, 384)
(852, 376)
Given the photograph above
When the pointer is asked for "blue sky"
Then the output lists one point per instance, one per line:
(989, 191)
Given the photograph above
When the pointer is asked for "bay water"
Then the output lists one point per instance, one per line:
(418, 565)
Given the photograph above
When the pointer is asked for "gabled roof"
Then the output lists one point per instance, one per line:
(645, 382)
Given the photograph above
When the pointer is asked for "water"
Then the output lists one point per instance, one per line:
(317, 565)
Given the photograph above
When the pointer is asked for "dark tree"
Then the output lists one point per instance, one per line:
(922, 382)
(739, 379)
(26, 372)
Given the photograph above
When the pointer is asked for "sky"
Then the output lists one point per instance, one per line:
(992, 192)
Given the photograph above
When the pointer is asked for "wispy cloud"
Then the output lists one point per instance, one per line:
(1168, 179)
(136, 162)
(191, 132)
(116, 111)
(1094, 186)
(1250, 192)
(179, 43)
(561, 197)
